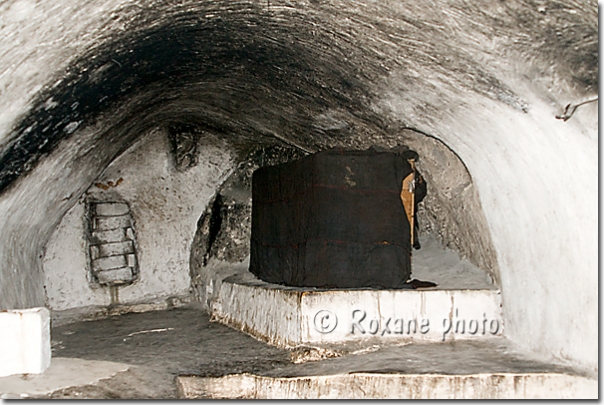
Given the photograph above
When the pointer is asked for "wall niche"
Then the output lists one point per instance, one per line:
(112, 244)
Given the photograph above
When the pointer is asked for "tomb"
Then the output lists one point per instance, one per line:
(335, 219)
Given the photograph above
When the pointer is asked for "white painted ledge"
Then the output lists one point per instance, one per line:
(290, 317)
(391, 386)
(24, 341)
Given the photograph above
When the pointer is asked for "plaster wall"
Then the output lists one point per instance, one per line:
(165, 204)
(538, 182)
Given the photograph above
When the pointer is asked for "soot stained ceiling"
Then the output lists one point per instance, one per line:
(308, 73)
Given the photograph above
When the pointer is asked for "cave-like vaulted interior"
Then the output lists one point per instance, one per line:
(105, 90)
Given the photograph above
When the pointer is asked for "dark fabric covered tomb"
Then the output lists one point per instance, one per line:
(333, 219)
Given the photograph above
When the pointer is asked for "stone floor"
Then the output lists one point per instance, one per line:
(160, 345)
(140, 356)
(433, 262)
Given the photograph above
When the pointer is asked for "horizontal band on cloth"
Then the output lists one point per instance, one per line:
(313, 188)
(326, 241)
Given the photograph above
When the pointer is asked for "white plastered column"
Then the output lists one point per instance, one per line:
(24, 341)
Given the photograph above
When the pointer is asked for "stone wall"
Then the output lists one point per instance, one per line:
(163, 205)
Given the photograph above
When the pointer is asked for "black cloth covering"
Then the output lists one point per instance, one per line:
(333, 219)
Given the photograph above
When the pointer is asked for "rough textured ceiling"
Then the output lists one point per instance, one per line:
(313, 72)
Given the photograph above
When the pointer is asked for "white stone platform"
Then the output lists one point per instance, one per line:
(487, 369)
(391, 386)
(464, 305)
(290, 317)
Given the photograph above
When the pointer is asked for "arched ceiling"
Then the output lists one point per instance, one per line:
(314, 73)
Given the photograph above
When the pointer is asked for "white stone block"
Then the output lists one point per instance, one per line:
(108, 263)
(115, 276)
(24, 341)
(108, 223)
(115, 248)
(269, 314)
(130, 233)
(422, 315)
(131, 259)
(111, 209)
(113, 235)
(94, 252)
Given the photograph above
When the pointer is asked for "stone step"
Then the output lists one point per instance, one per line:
(109, 223)
(390, 386)
(111, 249)
(111, 209)
(108, 263)
(291, 316)
(115, 276)
(113, 235)
(487, 369)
